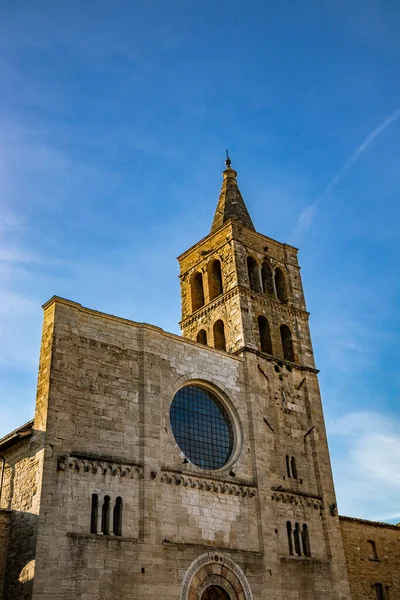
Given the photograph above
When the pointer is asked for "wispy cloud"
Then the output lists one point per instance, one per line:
(307, 217)
(367, 475)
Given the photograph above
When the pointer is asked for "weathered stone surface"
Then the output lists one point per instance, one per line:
(4, 533)
(367, 568)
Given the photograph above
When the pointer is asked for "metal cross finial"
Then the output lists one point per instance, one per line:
(228, 161)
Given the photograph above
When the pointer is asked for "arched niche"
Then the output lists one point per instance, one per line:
(219, 335)
(214, 273)
(265, 335)
(287, 343)
(197, 291)
(202, 337)
(253, 271)
(280, 285)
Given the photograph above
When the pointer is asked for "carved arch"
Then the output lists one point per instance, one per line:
(219, 581)
(198, 577)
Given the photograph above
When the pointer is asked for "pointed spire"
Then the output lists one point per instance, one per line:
(231, 204)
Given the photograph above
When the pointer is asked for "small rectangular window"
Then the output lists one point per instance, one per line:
(373, 555)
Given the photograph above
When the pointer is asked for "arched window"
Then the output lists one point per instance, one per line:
(293, 467)
(296, 536)
(105, 516)
(202, 337)
(267, 279)
(254, 275)
(197, 291)
(219, 335)
(94, 513)
(117, 516)
(379, 591)
(280, 285)
(305, 541)
(214, 592)
(265, 335)
(287, 343)
(289, 536)
(288, 470)
(214, 279)
(373, 555)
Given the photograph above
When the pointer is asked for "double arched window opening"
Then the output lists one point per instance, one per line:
(215, 285)
(218, 335)
(291, 468)
(266, 280)
(264, 332)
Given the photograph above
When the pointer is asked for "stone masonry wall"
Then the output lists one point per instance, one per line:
(20, 496)
(4, 533)
(288, 421)
(366, 569)
(112, 382)
(108, 432)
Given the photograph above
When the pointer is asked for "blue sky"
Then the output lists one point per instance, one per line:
(114, 119)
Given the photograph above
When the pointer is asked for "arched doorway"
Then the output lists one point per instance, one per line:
(215, 576)
(214, 592)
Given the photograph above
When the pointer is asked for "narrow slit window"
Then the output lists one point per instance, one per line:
(105, 516)
(288, 470)
(202, 337)
(94, 513)
(265, 335)
(289, 536)
(305, 541)
(219, 335)
(117, 516)
(293, 467)
(296, 536)
(373, 555)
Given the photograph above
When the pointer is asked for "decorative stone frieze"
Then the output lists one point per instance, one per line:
(210, 484)
(82, 464)
(299, 499)
(210, 307)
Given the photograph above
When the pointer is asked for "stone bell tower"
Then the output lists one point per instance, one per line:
(242, 293)
(241, 289)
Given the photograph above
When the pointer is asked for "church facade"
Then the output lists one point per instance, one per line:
(190, 468)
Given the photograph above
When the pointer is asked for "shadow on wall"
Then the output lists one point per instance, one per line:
(20, 565)
(18, 496)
